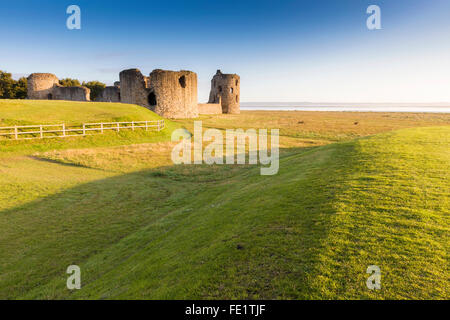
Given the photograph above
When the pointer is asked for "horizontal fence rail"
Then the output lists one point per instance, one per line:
(43, 131)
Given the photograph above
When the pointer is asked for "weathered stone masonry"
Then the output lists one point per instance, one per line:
(171, 94)
(133, 87)
(210, 108)
(110, 93)
(225, 88)
(45, 86)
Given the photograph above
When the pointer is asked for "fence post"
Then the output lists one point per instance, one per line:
(132, 125)
(146, 125)
(101, 126)
(84, 129)
(64, 129)
(16, 133)
(41, 131)
(118, 127)
(158, 125)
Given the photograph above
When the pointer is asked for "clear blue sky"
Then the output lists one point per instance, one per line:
(317, 50)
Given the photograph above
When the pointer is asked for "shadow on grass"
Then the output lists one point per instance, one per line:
(216, 231)
(77, 165)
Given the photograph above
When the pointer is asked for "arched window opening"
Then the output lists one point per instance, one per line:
(50, 96)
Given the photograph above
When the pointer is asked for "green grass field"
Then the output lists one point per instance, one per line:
(141, 228)
(23, 112)
(36, 112)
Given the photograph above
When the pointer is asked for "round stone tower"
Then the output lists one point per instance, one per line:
(225, 89)
(40, 86)
(173, 94)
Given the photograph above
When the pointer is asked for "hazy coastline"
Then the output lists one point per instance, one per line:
(354, 107)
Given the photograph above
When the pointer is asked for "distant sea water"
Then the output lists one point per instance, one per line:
(355, 107)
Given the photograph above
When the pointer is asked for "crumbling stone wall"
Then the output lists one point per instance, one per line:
(227, 88)
(40, 86)
(77, 93)
(209, 108)
(133, 88)
(45, 86)
(110, 94)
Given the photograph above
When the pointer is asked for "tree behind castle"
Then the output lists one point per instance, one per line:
(10, 88)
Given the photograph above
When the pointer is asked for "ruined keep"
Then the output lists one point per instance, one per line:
(45, 86)
(171, 94)
(225, 89)
(174, 93)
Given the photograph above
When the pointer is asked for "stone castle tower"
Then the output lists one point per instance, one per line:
(45, 86)
(171, 94)
(40, 86)
(174, 94)
(225, 89)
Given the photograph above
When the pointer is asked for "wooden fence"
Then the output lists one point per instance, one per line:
(62, 130)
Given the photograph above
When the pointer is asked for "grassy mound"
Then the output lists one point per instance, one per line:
(226, 232)
(35, 112)
(24, 112)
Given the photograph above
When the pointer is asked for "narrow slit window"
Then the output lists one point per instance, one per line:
(182, 81)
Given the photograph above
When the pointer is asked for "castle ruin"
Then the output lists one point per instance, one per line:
(171, 94)
(110, 93)
(225, 89)
(45, 86)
